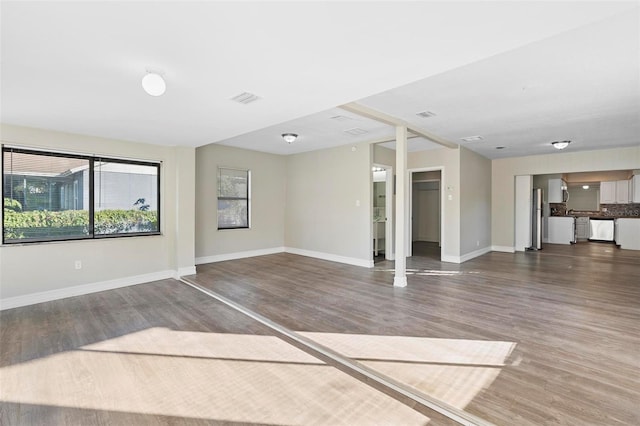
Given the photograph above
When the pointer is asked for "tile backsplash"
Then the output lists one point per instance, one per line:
(622, 210)
(612, 210)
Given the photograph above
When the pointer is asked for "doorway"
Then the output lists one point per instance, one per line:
(382, 212)
(425, 210)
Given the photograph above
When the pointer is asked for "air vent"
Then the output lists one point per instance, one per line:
(356, 131)
(245, 98)
(425, 114)
(472, 138)
(341, 118)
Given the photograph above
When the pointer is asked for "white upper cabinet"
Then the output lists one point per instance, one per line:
(635, 189)
(608, 192)
(622, 192)
(555, 194)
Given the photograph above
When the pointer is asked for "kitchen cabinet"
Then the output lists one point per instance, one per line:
(628, 233)
(635, 189)
(561, 230)
(582, 228)
(622, 192)
(556, 191)
(608, 192)
(617, 192)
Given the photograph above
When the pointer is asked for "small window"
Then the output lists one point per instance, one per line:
(233, 198)
(126, 197)
(51, 196)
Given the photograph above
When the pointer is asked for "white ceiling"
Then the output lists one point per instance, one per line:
(487, 68)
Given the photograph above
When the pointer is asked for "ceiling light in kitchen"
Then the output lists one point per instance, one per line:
(560, 144)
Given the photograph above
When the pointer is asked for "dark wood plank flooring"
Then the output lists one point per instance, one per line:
(165, 354)
(572, 313)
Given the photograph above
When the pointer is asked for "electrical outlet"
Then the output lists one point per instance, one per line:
(78, 264)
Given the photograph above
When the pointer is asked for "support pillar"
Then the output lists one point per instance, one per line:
(400, 278)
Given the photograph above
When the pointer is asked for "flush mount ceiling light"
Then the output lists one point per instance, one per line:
(585, 186)
(289, 137)
(154, 84)
(472, 138)
(560, 144)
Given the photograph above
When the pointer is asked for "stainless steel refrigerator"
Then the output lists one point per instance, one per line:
(536, 220)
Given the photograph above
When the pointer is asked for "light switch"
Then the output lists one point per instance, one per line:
(357, 203)
(449, 197)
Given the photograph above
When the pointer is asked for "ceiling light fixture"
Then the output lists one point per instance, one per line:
(154, 84)
(585, 186)
(289, 137)
(472, 138)
(560, 144)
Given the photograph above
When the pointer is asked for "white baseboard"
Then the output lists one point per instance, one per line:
(79, 290)
(181, 272)
(465, 257)
(332, 257)
(474, 254)
(505, 249)
(449, 259)
(238, 255)
(293, 250)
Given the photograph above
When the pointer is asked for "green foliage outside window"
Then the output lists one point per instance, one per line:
(39, 224)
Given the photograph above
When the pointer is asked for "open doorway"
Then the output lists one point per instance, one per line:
(382, 212)
(425, 210)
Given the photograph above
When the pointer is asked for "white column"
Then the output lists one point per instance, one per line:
(400, 278)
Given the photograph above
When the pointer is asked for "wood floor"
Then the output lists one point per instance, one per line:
(571, 314)
(539, 338)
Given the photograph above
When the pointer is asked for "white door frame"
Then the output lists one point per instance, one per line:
(389, 245)
(409, 209)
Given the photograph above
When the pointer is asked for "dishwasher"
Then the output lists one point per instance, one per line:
(601, 229)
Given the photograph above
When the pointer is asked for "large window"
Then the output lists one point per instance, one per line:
(233, 198)
(50, 196)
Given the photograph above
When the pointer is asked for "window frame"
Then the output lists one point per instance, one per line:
(247, 198)
(92, 159)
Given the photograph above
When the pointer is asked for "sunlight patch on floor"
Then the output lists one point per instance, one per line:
(224, 377)
(451, 370)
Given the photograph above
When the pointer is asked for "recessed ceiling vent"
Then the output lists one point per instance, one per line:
(356, 131)
(425, 114)
(245, 98)
(472, 138)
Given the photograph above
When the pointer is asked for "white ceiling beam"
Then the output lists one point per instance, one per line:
(389, 139)
(382, 117)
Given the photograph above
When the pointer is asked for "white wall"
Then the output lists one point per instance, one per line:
(267, 208)
(37, 272)
(475, 202)
(322, 215)
(504, 170)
